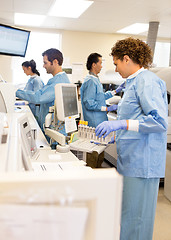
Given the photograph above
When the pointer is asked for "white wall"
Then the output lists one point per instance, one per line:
(76, 46)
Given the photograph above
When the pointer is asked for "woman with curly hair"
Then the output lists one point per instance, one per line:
(141, 137)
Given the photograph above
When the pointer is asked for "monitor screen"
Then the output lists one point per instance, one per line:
(66, 101)
(13, 41)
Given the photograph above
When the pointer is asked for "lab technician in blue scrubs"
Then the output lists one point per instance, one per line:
(141, 137)
(92, 95)
(52, 59)
(34, 83)
(93, 102)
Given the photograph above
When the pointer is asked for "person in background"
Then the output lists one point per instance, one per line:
(34, 83)
(93, 101)
(141, 137)
(52, 59)
(92, 95)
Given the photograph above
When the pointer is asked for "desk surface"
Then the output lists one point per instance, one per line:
(50, 155)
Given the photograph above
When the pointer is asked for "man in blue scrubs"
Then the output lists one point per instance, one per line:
(141, 137)
(93, 100)
(53, 60)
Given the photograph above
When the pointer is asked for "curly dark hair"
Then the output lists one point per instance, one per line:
(136, 49)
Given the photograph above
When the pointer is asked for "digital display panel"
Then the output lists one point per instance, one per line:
(13, 41)
(69, 101)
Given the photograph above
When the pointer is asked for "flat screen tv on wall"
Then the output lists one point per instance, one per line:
(13, 41)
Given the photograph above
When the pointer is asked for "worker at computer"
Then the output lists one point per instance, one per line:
(34, 83)
(52, 59)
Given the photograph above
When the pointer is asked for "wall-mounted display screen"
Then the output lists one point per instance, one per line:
(13, 41)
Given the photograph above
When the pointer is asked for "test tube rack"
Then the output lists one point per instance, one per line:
(86, 132)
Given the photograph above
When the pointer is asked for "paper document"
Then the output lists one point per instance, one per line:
(77, 72)
(70, 124)
(43, 222)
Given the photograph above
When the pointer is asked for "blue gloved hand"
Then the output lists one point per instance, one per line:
(119, 89)
(109, 126)
(112, 140)
(113, 107)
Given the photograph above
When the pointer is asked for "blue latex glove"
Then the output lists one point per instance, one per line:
(119, 89)
(112, 140)
(113, 107)
(109, 126)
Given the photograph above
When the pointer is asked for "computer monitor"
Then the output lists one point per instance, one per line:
(7, 97)
(70, 205)
(13, 41)
(66, 100)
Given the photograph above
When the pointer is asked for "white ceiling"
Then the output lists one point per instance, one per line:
(105, 16)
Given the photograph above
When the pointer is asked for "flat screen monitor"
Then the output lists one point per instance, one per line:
(7, 97)
(66, 100)
(13, 41)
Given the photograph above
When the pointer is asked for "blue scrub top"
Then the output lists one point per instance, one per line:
(45, 96)
(92, 99)
(143, 153)
(34, 83)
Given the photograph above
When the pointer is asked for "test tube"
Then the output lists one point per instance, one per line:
(108, 138)
(85, 128)
(81, 129)
(90, 133)
(93, 134)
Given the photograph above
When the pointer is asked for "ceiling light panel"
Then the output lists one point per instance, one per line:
(136, 28)
(28, 19)
(69, 8)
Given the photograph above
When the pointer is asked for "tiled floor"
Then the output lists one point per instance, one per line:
(162, 224)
